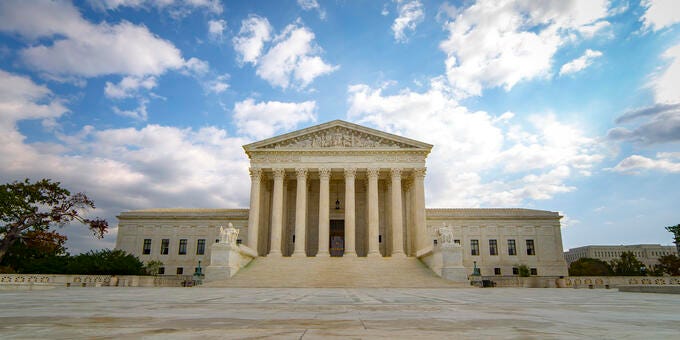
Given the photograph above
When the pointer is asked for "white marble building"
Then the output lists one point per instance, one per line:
(341, 189)
(648, 254)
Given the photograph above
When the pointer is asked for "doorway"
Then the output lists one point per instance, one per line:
(337, 237)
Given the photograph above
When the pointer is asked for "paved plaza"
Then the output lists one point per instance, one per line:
(292, 313)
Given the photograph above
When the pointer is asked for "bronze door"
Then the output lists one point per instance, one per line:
(337, 237)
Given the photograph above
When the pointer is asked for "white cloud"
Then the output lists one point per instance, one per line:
(293, 59)
(138, 113)
(177, 8)
(666, 83)
(197, 67)
(216, 28)
(21, 98)
(120, 169)
(264, 119)
(84, 49)
(589, 31)
(479, 159)
(249, 42)
(128, 86)
(664, 162)
(219, 84)
(500, 43)
(411, 14)
(660, 14)
(309, 5)
(580, 63)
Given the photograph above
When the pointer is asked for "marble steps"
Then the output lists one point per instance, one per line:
(341, 272)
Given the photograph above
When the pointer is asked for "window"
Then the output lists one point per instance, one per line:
(456, 242)
(200, 247)
(180, 270)
(493, 248)
(534, 271)
(530, 247)
(165, 245)
(512, 248)
(474, 247)
(379, 238)
(182, 247)
(239, 241)
(161, 270)
(496, 271)
(217, 240)
(147, 246)
(515, 271)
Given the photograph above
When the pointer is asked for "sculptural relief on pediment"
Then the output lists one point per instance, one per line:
(337, 137)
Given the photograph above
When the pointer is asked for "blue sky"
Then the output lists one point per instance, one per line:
(569, 106)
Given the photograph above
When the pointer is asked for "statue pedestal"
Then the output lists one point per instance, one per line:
(452, 264)
(225, 260)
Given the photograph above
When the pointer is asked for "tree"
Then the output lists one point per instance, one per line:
(34, 244)
(26, 206)
(675, 229)
(589, 267)
(628, 265)
(523, 270)
(669, 264)
(153, 267)
(105, 262)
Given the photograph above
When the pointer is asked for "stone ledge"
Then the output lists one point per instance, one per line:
(674, 289)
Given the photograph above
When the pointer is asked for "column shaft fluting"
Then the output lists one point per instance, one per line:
(301, 213)
(254, 212)
(373, 213)
(397, 225)
(350, 213)
(277, 212)
(324, 219)
(419, 222)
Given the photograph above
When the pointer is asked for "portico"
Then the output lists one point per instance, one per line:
(368, 182)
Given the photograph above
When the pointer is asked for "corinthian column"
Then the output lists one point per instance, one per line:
(373, 214)
(419, 209)
(324, 232)
(350, 214)
(254, 212)
(277, 212)
(397, 225)
(301, 213)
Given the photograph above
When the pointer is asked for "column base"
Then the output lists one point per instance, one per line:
(375, 254)
(299, 254)
(349, 255)
(275, 254)
(398, 255)
(323, 254)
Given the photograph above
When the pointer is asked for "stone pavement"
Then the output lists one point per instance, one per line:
(296, 313)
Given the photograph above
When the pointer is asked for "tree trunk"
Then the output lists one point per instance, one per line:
(5, 244)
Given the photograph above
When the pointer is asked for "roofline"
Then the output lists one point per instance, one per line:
(250, 147)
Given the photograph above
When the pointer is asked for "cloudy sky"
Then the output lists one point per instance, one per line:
(570, 106)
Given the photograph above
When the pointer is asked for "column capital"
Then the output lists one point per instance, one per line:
(279, 173)
(301, 173)
(350, 172)
(395, 173)
(419, 172)
(324, 173)
(255, 173)
(373, 172)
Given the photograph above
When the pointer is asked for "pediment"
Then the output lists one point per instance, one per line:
(337, 134)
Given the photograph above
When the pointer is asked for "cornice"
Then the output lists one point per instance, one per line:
(491, 213)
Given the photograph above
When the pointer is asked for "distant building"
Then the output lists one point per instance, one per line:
(646, 253)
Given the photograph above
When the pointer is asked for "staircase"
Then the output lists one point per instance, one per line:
(341, 272)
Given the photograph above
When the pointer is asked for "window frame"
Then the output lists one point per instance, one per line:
(200, 246)
(146, 247)
(474, 247)
(182, 247)
(493, 247)
(531, 247)
(512, 247)
(165, 246)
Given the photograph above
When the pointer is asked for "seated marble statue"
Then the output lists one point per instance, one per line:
(228, 235)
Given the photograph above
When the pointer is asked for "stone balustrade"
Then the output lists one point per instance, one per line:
(47, 281)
